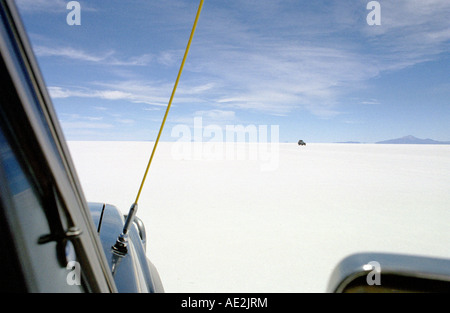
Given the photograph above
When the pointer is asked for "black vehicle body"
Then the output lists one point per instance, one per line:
(52, 240)
(133, 272)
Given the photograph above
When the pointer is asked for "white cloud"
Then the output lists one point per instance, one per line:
(370, 102)
(216, 115)
(113, 95)
(59, 92)
(412, 32)
(75, 122)
(277, 77)
(41, 5)
(277, 60)
(125, 120)
(68, 52)
(169, 57)
(69, 125)
(148, 92)
(49, 6)
(107, 58)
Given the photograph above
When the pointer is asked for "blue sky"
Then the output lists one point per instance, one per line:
(314, 68)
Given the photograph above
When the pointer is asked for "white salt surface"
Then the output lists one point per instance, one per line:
(224, 225)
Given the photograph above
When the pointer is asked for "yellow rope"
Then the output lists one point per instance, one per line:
(170, 101)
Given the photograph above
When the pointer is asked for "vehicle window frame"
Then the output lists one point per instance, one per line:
(33, 131)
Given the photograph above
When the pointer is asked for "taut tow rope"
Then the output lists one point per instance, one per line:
(170, 101)
(121, 243)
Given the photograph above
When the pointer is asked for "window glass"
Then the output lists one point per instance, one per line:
(28, 224)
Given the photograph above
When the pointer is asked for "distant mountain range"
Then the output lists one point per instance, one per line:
(413, 140)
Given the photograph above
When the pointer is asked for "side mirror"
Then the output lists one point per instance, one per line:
(390, 273)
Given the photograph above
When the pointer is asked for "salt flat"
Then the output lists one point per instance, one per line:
(228, 223)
